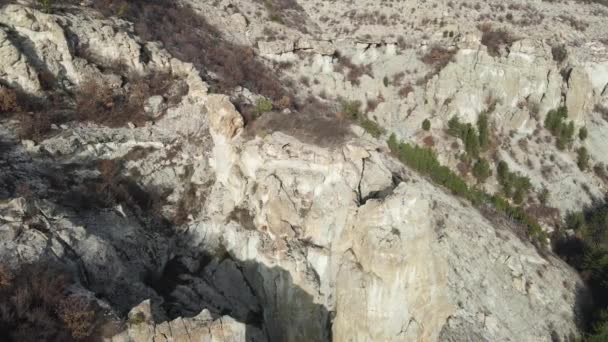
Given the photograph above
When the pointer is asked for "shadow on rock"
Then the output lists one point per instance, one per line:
(111, 234)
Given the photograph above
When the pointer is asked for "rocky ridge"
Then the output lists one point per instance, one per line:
(280, 239)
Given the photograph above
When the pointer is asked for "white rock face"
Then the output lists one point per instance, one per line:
(203, 327)
(399, 259)
(476, 78)
(283, 240)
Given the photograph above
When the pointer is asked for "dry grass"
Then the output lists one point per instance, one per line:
(314, 122)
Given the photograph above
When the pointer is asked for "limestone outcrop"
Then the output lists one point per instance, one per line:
(191, 226)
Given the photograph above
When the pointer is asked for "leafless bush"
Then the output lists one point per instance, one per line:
(242, 217)
(8, 100)
(354, 71)
(494, 40)
(575, 23)
(35, 126)
(287, 12)
(406, 90)
(428, 141)
(601, 171)
(544, 213)
(97, 102)
(438, 57)
(189, 37)
(35, 306)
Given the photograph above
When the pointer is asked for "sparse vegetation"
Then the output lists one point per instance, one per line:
(467, 133)
(587, 251)
(8, 100)
(46, 5)
(372, 128)
(513, 185)
(438, 57)
(562, 131)
(35, 305)
(287, 12)
(559, 53)
(97, 102)
(582, 133)
(481, 170)
(484, 131)
(262, 106)
(405, 90)
(355, 72)
(426, 125)
(189, 37)
(351, 110)
(543, 196)
(582, 158)
(425, 161)
(495, 39)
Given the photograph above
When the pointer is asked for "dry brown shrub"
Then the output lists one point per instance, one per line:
(428, 141)
(355, 71)
(284, 102)
(438, 57)
(8, 100)
(35, 126)
(35, 306)
(97, 102)
(406, 90)
(188, 36)
(78, 315)
(495, 39)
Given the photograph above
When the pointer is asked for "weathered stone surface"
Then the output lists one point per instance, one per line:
(155, 106)
(283, 240)
(201, 328)
(276, 47)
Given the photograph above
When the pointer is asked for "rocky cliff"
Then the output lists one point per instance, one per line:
(185, 219)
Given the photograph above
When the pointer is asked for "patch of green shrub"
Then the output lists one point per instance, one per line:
(587, 252)
(474, 142)
(47, 5)
(582, 133)
(563, 131)
(263, 105)
(372, 128)
(481, 170)
(426, 125)
(513, 184)
(582, 159)
(425, 161)
(484, 131)
(352, 109)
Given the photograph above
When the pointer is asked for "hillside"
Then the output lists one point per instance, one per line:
(290, 170)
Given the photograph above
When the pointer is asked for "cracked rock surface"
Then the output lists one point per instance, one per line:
(270, 237)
